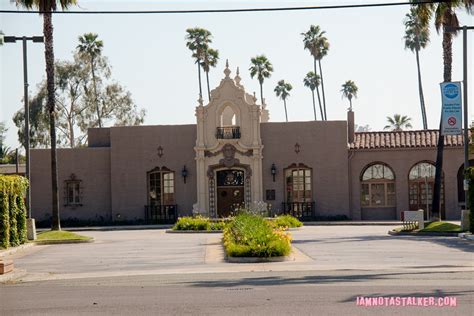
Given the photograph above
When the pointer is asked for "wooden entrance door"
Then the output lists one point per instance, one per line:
(230, 191)
(228, 200)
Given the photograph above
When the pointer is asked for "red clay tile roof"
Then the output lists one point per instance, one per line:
(403, 139)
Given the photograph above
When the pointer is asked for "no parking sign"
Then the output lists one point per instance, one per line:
(451, 113)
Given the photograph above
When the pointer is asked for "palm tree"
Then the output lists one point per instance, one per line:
(46, 7)
(312, 82)
(416, 37)
(211, 56)
(318, 45)
(282, 90)
(444, 17)
(91, 48)
(398, 123)
(262, 68)
(349, 90)
(198, 40)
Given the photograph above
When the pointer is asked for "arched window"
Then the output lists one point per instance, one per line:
(298, 182)
(228, 117)
(161, 187)
(378, 186)
(421, 184)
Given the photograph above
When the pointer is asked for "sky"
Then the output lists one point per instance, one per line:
(150, 59)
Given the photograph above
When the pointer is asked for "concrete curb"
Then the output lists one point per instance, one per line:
(12, 276)
(110, 228)
(259, 259)
(429, 234)
(171, 231)
(10, 251)
(59, 242)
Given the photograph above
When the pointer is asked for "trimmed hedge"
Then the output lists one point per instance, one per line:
(12, 210)
(198, 223)
(470, 176)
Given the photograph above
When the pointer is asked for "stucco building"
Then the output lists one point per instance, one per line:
(234, 156)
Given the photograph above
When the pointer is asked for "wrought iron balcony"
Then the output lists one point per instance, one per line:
(161, 214)
(300, 210)
(228, 132)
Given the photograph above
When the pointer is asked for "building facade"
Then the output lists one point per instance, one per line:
(233, 156)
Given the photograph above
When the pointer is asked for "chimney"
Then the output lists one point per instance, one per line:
(350, 126)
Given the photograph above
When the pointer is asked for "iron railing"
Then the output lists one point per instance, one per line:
(161, 214)
(229, 132)
(305, 211)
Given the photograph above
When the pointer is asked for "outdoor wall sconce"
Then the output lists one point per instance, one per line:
(297, 148)
(273, 171)
(184, 173)
(160, 151)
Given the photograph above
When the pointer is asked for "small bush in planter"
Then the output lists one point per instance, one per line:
(286, 221)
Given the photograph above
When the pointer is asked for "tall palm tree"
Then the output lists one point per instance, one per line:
(349, 90)
(318, 45)
(398, 123)
(46, 7)
(444, 16)
(416, 37)
(312, 81)
(262, 68)
(210, 58)
(198, 40)
(282, 90)
(91, 48)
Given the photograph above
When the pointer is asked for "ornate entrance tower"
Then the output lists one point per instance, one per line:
(228, 149)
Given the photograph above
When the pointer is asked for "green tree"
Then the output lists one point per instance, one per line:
(46, 7)
(75, 113)
(198, 40)
(261, 67)
(398, 123)
(282, 90)
(349, 91)
(90, 48)
(416, 37)
(312, 81)
(210, 59)
(318, 45)
(445, 16)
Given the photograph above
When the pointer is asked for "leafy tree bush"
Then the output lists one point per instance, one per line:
(12, 210)
(286, 221)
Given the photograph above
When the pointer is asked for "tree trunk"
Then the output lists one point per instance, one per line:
(447, 58)
(317, 91)
(49, 57)
(208, 89)
(199, 75)
(350, 104)
(314, 105)
(95, 92)
(322, 89)
(261, 93)
(420, 90)
(286, 113)
(71, 132)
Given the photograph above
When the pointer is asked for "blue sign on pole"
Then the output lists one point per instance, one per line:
(451, 113)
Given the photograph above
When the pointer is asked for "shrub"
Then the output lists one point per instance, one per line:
(250, 235)
(198, 223)
(12, 210)
(286, 221)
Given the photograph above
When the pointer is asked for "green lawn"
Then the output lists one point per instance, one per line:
(58, 236)
(442, 227)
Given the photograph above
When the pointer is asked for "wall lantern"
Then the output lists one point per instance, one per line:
(297, 148)
(160, 151)
(184, 173)
(273, 171)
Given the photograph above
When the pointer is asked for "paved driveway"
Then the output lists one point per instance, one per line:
(320, 248)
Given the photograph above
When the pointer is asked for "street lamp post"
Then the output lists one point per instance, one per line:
(24, 39)
(465, 99)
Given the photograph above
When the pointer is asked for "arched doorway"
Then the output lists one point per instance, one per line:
(421, 180)
(230, 191)
(460, 178)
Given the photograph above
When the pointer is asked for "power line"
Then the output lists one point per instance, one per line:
(344, 6)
